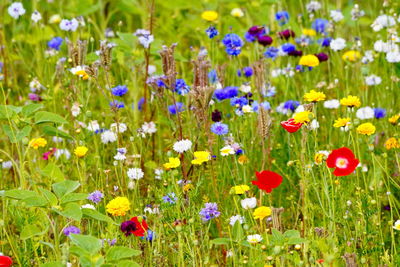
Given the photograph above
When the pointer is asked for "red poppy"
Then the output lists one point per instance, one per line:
(141, 226)
(343, 160)
(291, 126)
(320, 261)
(267, 180)
(5, 261)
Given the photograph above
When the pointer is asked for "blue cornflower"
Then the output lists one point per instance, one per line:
(173, 109)
(272, 52)
(119, 90)
(209, 212)
(181, 87)
(117, 104)
(265, 105)
(55, 43)
(233, 44)
(211, 32)
(212, 76)
(379, 113)
(95, 196)
(325, 41)
(140, 104)
(160, 83)
(291, 104)
(319, 25)
(225, 93)
(282, 17)
(247, 71)
(219, 128)
(239, 101)
(288, 47)
(170, 198)
(150, 236)
(71, 230)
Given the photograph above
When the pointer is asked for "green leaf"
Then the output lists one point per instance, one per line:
(53, 264)
(36, 201)
(72, 211)
(295, 240)
(119, 252)
(44, 116)
(52, 131)
(277, 237)
(20, 194)
(31, 230)
(237, 231)
(8, 111)
(31, 108)
(86, 242)
(97, 215)
(24, 132)
(16, 135)
(128, 263)
(53, 171)
(49, 196)
(73, 197)
(65, 187)
(291, 233)
(221, 241)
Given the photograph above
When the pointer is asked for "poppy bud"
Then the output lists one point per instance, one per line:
(265, 40)
(216, 116)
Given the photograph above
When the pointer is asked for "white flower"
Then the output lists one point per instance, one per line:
(393, 57)
(69, 25)
(60, 152)
(300, 108)
(108, 137)
(237, 12)
(151, 69)
(332, 104)
(158, 172)
(383, 21)
(75, 70)
(397, 225)
(145, 38)
(16, 10)
(35, 85)
(365, 113)
(93, 126)
(182, 145)
(36, 16)
(254, 239)
(120, 154)
(373, 80)
(368, 57)
(245, 88)
(338, 44)
(149, 128)
(236, 218)
(75, 109)
(55, 19)
(135, 173)
(313, 6)
(249, 203)
(227, 150)
(121, 127)
(336, 15)
(88, 206)
(6, 165)
(314, 125)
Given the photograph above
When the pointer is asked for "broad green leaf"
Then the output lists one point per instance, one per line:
(72, 211)
(221, 241)
(118, 252)
(20, 194)
(31, 108)
(52, 131)
(10, 132)
(291, 233)
(237, 232)
(8, 111)
(52, 171)
(295, 240)
(86, 242)
(45, 116)
(97, 215)
(31, 230)
(24, 132)
(73, 197)
(49, 196)
(65, 187)
(36, 201)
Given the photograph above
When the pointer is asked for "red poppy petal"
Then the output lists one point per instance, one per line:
(291, 126)
(5, 261)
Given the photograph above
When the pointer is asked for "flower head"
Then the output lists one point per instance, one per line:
(248, 203)
(80, 151)
(314, 96)
(182, 145)
(16, 10)
(71, 230)
(267, 180)
(341, 122)
(366, 128)
(254, 239)
(291, 126)
(396, 225)
(136, 226)
(350, 101)
(200, 157)
(209, 15)
(95, 196)
(172, 163)
(343, 160)
(118, 206)
(37, 142)
(227, 150)
(119, 90)
(209, 212)
(351, 56)
(309, 61)
(392, 143)
(219, 128)
(302, 117)
(240, 189)
(262, 212)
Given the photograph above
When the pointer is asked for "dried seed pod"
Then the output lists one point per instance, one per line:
(77, 52)
(169, 65)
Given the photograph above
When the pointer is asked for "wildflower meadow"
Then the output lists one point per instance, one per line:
(260, 133)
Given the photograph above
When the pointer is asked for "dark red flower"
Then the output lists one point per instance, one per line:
(255, 30)
(136, 226)
(291, 126)
(5, 261)
(343, 160)
(295, 53)
(267, 180)
(264, 40)
(286, 34)
(322, 57)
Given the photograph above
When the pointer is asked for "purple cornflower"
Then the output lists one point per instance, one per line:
(209, 212)
(55, 43)
(322, 57)
(216, 116)
(117, 104)
(71, 230)
(95, 196)
(265, 40)
(379, 113)
(176, 108)
(119, 90)
(239, 101)
(325, 41)
(111, 242)
(140, 104)
(211, 32)
(127, 227)
(247, 71)
(320, 25)
(170, 198)
(219, 128)
(34, 97)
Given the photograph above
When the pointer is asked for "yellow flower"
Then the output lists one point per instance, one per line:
(341, 122)
(187, 187)
(393, 120)
(351, 101)
(262, 212)
(320, 156)
(302, 117)
(118, 206)
(37, 142)
(172, 163)
(240, 189)
(351, 55)
(80, 151)
(82, 74)
(309, 61)
(314, 96)
(237, 12)
(243, 159)
(392, 143)
(309, 32)
(209, 15)
(200, 157)
(366, 128)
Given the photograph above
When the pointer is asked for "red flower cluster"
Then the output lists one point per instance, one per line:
(343, 160)
(5, 261)
(291, 126)
(136, 226)
(267, 180)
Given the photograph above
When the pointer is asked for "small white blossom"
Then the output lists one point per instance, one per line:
(336, 15)
(365, 113)
(182, 145)
(236, 218)
(16, 10)
(145, 38)
(76, 109)
(254, 239)
(373, 80)
(338, 44)
(6, 164)
(135, 173)
(121, 127)
(108, 137)
(249, 203)
(36, 16)
(332, 104)
(383, 21)
(69, 25)
(88, 206)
